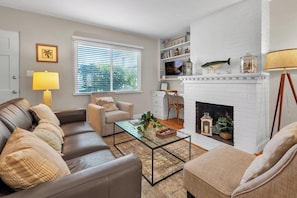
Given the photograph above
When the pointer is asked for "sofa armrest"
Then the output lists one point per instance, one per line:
(126, 106)
(96, 117)
(71, 115)
(119, 178)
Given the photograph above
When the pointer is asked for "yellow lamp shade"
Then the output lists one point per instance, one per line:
(45, 80)
(281, 59)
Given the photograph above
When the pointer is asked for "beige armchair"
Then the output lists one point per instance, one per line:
(102, 115)
(229, 172)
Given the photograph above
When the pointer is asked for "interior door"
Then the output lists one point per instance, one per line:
(9, 65)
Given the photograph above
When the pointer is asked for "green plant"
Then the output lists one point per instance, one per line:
(147, 119)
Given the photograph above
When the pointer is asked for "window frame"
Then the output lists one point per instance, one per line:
(111, 45)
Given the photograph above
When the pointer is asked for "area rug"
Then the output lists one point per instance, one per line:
(164, 165)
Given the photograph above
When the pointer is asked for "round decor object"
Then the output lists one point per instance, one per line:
(225, 135)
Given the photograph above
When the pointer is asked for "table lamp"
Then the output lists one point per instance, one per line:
(281, 60)
(46, 81)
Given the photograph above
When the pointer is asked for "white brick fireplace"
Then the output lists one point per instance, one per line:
(247, 93)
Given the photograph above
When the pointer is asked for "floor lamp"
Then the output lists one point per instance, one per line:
(281, 60)
(46, 81)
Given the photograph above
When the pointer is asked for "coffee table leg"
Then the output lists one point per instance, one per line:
(152, 166)
(190, 154)
(114, 134)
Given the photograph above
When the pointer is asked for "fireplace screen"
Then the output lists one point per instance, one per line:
(215, 121)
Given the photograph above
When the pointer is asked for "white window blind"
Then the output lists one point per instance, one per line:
(106, 66)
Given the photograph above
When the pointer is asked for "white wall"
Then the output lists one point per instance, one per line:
(34, 28)
(231, 32)
(283, 35)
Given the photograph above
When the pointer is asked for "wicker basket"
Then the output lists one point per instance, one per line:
(225, 135)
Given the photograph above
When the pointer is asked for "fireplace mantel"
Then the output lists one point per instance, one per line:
(249, 77)
(247, 93)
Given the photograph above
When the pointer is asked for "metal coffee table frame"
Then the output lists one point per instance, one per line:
(152, 143)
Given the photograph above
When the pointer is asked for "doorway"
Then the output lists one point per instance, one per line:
(9, 65)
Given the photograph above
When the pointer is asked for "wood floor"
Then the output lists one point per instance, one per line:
(173, 123)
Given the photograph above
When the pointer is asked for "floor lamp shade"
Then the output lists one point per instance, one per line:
(46, 81)
(281, 60)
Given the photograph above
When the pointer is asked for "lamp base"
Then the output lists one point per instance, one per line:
(47, 98)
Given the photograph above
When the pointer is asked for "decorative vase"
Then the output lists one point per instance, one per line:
(248, 63)
(189, 66)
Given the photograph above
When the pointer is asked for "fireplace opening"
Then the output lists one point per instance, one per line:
(215, 121)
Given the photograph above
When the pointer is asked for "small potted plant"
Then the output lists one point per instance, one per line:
(148, 119)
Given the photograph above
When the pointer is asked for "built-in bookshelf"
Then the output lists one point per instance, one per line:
(175, 49)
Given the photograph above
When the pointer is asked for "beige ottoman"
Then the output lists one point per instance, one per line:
(216, 173)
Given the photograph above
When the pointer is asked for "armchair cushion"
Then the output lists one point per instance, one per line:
(27, 161)
(272, 153)
(114, 116)
(107, 102)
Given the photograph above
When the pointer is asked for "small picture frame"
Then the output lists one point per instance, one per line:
(46, 53)
(164, 86)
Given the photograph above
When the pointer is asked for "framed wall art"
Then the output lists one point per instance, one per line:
(46, 53)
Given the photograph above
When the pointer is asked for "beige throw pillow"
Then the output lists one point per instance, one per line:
(107, 102)
(280, 143)
(50, 138)
(53, 127)
(27, 161)
(42, 111)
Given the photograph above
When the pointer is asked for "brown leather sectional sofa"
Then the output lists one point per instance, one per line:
(95, 172)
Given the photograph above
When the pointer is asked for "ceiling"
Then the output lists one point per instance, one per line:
(154, 18)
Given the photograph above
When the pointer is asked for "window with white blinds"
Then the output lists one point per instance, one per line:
(106, 66)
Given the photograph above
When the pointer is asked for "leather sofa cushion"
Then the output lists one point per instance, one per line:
(82, 144)
(13, 117)
(74, 128)
(4, 135)
(114, 116)
(89, 160)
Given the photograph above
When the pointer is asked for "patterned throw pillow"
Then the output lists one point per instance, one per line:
(27, 161)
(42, 111)
(272, 153)
(107, 102)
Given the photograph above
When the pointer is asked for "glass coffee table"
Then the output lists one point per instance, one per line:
(161, 154)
